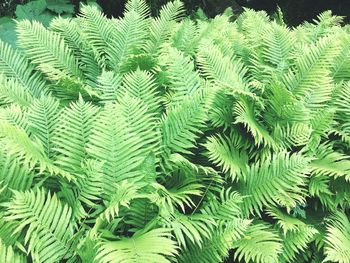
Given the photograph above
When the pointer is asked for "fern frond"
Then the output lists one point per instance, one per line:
(46, 222)
(12, 92)
(124, 193)
(108, 85)
(97, 31)
(42, 119)
(13, 175)
(152, 246)
(30, 153)
(122, 137)
(183, 80)
(160, 27)
(313, 69)
(138, 6)
(246, 114)
(8, 254)
(259, 244)
(141, 84)
(216, 248)
(181, 125)
(218, 68)
(226, 152)
(127, 41)
(15, 65)
(330, 163)
(47, 49)
(72, 134)
(337, 239)
(280, 179)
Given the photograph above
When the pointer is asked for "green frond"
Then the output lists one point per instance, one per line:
(294, 135)
(226, 207)
(141, 84)
(42, 120)
(330, 163)
(216, 248)
(15, 115)
(108, 85)
(138, 6)
(29, 153)
(313, 69)
(91, 184)
(128, 40)
(227, 153)
(285, 222)
(221, 111)
(259, 244)
(47, 49)
(246, 113)
(278, 180)
(122, 137)
(183, 80)
(8, 254)
(12, 92)
(15, 65)
(141, 215)
(189, 228)
(45, 222)
(341, 65)
(153, 246)
(179, 195)
(13, 175)
(278, 46)
(71, 134)
(97, 31)
(219, 69)
(253, 24)
(186, 38)
(124, 193)
(160, 27)
(70, 31)
(297, 242)
(337, 238)
(182, 124)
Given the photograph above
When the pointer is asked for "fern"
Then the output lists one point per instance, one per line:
(163, 139)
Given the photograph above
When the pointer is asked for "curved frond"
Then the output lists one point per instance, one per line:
(152, 246)
(49, 228)
(47, 49)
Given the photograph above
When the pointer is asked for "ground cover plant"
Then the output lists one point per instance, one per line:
(140, 139)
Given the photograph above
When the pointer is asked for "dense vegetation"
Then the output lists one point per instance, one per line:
(167, 139)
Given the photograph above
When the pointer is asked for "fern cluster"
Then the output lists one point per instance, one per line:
(164, 139)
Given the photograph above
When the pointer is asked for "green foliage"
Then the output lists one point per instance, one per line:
(141, 139)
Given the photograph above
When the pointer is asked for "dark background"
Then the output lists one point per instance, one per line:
(295, 11)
